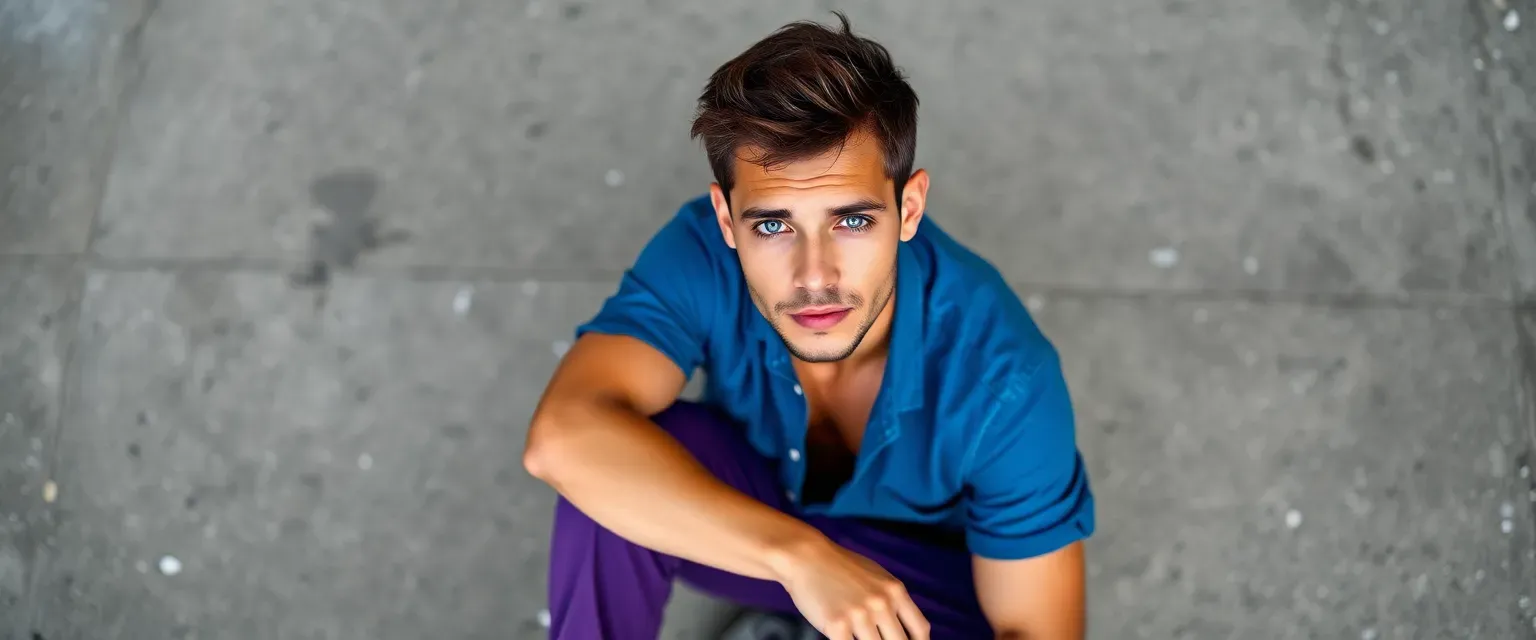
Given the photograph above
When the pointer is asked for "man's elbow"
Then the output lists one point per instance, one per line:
(544, 450)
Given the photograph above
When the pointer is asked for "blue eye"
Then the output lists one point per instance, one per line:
(770, 227)
(857, 223)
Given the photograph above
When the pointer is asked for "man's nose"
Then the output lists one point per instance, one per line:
(816, 264)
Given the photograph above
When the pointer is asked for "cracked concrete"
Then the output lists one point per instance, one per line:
(280, 283)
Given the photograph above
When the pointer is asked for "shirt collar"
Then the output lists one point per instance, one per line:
(905, 367)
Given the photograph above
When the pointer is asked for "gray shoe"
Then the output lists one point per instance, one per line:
(760, 625)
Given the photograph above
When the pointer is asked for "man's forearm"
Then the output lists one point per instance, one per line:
(628, 475)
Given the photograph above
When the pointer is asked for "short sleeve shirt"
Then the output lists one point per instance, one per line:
(972, 429)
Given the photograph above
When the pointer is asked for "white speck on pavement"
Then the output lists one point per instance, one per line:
(462, 300)
(170, 566)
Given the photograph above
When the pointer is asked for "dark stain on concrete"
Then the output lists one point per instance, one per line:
(352, 232)
(1364, 149)
(314, 482)
(573, 11)
(1317, 261)
(536, 130)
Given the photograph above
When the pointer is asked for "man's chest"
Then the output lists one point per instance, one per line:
(836, 421)
(837, 412)
(847, 450)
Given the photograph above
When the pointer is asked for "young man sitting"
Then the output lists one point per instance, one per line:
(886, 445)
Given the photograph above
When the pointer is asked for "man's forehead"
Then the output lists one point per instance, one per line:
(816, 183)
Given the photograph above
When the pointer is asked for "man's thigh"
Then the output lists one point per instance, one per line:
(938, 577)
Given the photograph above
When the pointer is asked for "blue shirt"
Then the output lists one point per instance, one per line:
(972, 429)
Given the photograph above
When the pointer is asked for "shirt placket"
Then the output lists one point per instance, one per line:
(793, 408)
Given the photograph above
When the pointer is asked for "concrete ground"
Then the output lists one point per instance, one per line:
(281, 280)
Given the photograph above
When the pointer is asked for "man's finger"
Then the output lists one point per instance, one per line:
(837, 631)
(864, 628)
(911, 618)
(890, 626)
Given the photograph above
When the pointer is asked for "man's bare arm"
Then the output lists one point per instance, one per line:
(1039, 598)
(592, 441)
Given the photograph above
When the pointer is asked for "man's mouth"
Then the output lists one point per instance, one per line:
(820, 318)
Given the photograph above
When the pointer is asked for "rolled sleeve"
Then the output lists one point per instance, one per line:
(1029, 491)
(665, 299)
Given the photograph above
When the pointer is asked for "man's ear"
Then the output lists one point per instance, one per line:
(914, 200)
(722, 214)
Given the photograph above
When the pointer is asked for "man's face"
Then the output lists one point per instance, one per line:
(817, 241)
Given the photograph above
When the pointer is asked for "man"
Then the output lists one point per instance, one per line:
(887, 444)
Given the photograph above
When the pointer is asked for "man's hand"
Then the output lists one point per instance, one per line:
(847, 596)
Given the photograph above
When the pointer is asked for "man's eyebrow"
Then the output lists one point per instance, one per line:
(759, 213)
(862, 206)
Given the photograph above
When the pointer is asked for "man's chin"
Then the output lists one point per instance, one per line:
(819, 349)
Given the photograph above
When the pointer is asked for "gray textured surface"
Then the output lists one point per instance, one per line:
(237, 242)
(1206, 423)
(31, 361)
(65, 67)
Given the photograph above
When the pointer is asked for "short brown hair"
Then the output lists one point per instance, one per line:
(801, 92)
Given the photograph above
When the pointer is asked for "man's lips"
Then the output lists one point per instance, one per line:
(820, 318)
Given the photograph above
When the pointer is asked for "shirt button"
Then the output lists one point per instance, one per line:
(790, 495)
(799, 391)
(794, 455)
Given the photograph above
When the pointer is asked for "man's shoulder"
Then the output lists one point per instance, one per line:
(692, 229)
(976, 318)
(689, 250)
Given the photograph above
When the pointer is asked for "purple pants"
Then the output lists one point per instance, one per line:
(603, 587)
